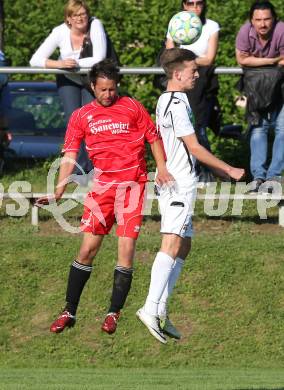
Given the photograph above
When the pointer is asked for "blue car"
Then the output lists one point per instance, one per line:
(35, 120)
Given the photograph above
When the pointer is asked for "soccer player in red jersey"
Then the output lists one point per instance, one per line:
(115, 130)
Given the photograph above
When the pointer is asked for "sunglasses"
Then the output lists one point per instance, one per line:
(194, 3)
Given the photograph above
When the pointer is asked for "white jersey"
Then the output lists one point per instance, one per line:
(174, 120)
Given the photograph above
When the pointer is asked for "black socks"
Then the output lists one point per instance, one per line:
(78, 277)
(122, 279)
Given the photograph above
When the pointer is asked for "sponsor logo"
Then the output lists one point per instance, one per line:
(113, 127)
(86, 222)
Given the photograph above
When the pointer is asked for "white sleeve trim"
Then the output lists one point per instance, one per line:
(181, 120)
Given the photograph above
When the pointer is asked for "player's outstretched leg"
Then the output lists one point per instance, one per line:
(160, 273)
(78, 276)
(166, 325)
(122, 279)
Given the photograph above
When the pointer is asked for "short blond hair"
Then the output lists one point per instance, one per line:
(72, 6)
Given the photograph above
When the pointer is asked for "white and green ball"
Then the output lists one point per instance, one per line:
(185, 28)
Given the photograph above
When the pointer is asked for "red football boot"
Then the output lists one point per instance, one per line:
(110, 323)
(64, 320)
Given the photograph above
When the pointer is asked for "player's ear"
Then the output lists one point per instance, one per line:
(93, 87)
(177, 74)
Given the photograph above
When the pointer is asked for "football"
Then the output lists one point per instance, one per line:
(185, 28)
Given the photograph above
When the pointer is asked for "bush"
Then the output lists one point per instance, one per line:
(137, 29)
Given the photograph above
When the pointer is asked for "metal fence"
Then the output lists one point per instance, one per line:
(123, 70)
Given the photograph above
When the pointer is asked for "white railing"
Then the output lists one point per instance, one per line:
(123, 70)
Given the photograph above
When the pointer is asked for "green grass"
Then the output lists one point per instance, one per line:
(228, 304)
(146, 379)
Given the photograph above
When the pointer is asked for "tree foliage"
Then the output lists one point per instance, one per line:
(137, 28)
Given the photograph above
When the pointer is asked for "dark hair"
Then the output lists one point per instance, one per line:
(262, 4)
(172, 59)
(202, 16)
(106, 69)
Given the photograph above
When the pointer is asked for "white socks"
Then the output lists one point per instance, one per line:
(161, 270)
(176, 270)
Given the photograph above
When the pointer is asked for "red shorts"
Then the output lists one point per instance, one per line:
(109, 202)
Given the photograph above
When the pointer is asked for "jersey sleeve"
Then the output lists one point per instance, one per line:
(242, 40)
(281, 40)
(145, 124)
(74, 133)
(46, 49)
(182, 118)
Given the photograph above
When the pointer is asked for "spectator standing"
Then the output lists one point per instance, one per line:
(115, 130)
(71, 37)
(260, 51)
(203, 97)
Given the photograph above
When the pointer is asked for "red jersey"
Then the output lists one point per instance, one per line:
(115, 138)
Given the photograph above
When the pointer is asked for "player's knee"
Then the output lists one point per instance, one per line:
(170, 250)
(87, 255)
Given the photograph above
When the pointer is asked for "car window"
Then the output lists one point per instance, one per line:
(36, 111)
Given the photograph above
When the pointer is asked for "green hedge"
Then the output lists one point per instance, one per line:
(137, 29)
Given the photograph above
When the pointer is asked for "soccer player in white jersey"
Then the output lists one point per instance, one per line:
(175, 122)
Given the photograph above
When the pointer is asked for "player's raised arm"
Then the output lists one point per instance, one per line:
(208, 158)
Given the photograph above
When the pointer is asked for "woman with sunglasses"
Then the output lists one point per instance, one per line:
(206, 46)
(69, 37)
(204, 94)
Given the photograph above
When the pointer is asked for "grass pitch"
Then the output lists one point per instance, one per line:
(132, 379)
(228, 304)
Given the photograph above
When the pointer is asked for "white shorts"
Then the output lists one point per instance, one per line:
(176, 211)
